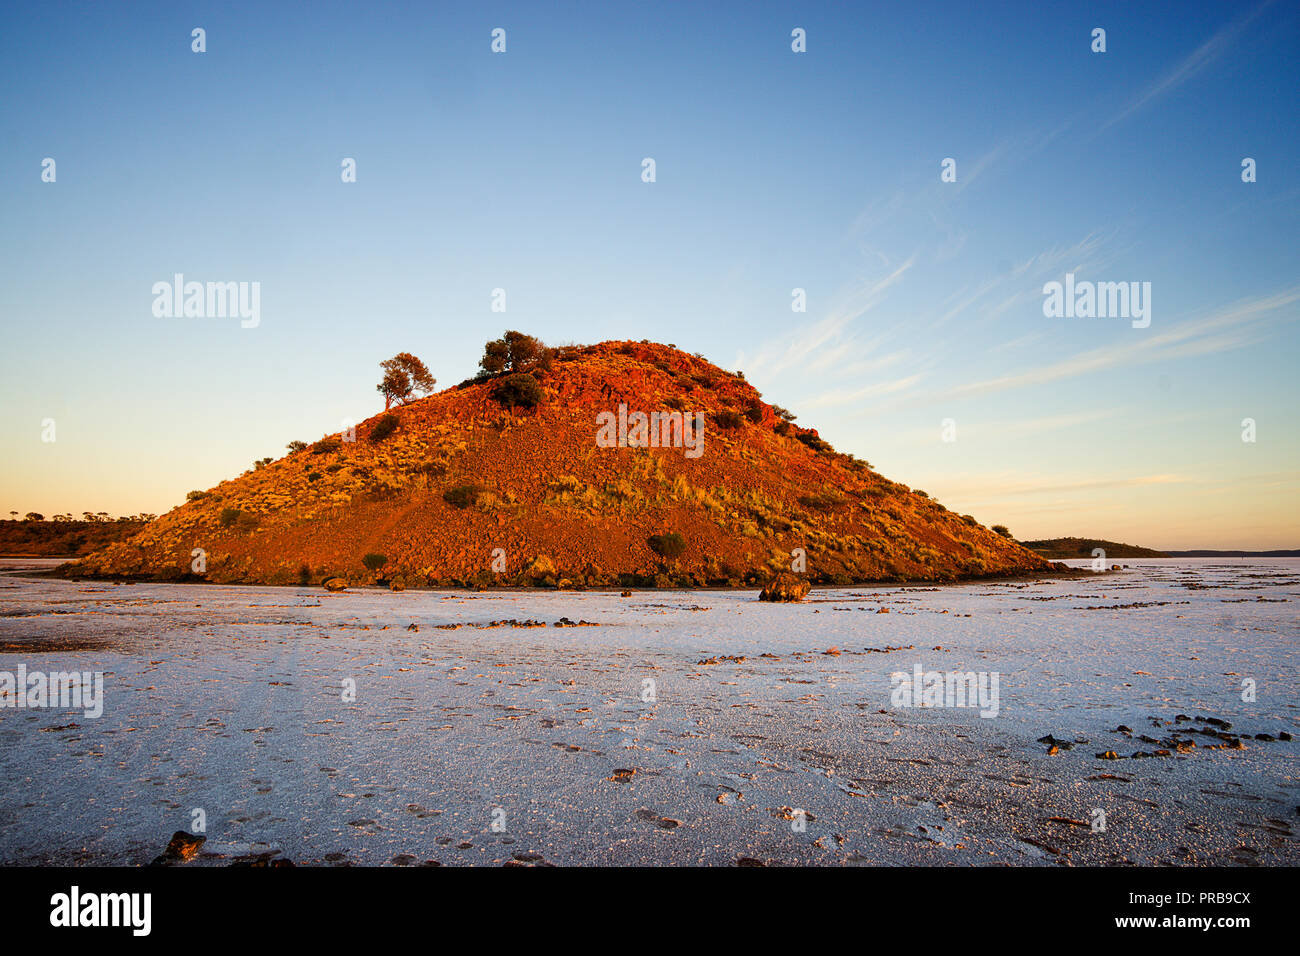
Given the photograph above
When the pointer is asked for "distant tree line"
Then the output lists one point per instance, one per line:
(89, 517)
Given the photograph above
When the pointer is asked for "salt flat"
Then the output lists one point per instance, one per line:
(486, 745)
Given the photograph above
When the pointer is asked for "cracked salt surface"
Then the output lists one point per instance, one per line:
(229, 700)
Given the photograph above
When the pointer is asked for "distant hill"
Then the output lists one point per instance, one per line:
(502, 480)
(61, 539)
(1058, 549)
(1294, 553)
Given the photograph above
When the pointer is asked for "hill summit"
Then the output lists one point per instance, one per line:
(616, 464)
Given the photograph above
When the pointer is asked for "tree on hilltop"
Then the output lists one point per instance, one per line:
(513, 352)
(404, 377)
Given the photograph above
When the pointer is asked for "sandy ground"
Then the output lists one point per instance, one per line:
(476, 744)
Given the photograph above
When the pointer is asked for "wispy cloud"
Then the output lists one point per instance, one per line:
(1006, 429)
(1010, 485)
(1026, 278)
(841, 396)
(826, 342)
(1190, 66)
(1231, 327)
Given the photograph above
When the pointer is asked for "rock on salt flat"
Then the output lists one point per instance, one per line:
(229, 700)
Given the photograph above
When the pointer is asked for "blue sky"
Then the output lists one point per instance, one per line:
(775, 170)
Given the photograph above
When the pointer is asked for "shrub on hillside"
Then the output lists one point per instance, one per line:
(385, 426)
(821, 502)
(195, 495)
(517, 391)
(814, 442)
(1002, 530)
(374, 562)
(237, 519)
(327, 445)
(727, 419)
(669, 545)
(462, 496)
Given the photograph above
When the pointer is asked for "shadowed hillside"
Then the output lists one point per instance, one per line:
(426, 494)
(1061, 548)
(62, 539)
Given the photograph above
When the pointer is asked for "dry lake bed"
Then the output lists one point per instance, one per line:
(666, 727)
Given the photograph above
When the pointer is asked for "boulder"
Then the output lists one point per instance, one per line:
(785, 587)
(181, 848)
(334, 584)
(540, 568)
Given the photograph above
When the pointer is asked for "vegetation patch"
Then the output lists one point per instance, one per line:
(518, 391)
(385, 426)
(462, 496)
(669, 545)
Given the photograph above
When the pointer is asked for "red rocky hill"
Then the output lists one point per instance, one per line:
(459, 476)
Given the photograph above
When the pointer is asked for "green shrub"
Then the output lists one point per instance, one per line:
(1002, 530)
(234, 518)
(385, 426)
(675, 403)
(668, 545)
(196, 495)
(727, 419)
(517, 391)
(821, 502)
(813, 441)
(754, 412)
(374, 562)
(462, 496)
(314, 476)
(328, 444)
